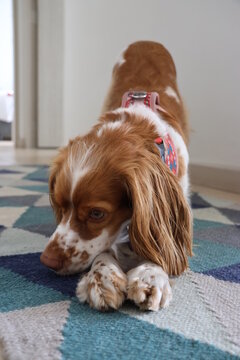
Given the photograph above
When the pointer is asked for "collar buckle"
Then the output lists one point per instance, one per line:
(138, 95)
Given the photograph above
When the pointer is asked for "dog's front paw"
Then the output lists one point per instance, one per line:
(103, 287)
(148, 286)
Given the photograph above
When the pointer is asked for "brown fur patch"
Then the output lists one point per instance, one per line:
(181, 167)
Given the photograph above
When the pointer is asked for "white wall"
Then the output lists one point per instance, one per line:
(25, 51)
(50, 54)
(6, 45)
(204, 39)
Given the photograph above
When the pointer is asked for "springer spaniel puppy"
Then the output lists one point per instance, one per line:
(120, 192)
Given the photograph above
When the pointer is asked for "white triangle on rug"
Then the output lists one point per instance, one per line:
(26, 182)
(221, 203)
(14, 176)
(223, 299)
(187, 315)
(43, 201)
(17, 241)
(20, 168)
(12, 191)
(9, 179)
(34, 333)
(9, 215)
(211, 214)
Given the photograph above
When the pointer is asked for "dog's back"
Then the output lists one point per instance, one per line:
(148, 66)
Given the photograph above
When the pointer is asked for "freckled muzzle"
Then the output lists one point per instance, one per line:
(67, 253)
(64, 261)
(52, 257)
(49, 259)
(55, 257)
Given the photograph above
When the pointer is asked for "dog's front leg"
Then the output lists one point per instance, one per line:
(104, 286)
(149, 287)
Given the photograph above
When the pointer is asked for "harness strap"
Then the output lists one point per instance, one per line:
(165, 144)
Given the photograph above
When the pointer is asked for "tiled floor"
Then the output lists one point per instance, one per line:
(11, 156)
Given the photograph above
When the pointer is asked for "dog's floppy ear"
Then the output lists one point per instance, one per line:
(161, 226)
(54, 170)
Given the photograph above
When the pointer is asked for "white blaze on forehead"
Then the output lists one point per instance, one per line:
(79, 162)
(170, 92)
(77, 174)
(64, 231)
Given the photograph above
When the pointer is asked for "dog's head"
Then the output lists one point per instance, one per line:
(101, 180)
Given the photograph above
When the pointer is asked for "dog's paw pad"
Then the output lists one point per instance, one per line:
(148, 286)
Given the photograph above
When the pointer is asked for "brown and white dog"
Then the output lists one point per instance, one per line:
(120, 207)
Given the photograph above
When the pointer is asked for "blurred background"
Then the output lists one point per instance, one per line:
(56, 58)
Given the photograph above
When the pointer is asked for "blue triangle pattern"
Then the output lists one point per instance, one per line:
(30, 267)
(227, 273)
(18, 293)
(89, 334)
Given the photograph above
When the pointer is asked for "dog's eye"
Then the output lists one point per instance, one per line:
(97, 214)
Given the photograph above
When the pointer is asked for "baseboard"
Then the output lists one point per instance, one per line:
(217, 178)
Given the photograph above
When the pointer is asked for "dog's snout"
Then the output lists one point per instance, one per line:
(49, 259)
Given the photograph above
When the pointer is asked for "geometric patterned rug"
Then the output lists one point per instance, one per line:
(40, 317)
